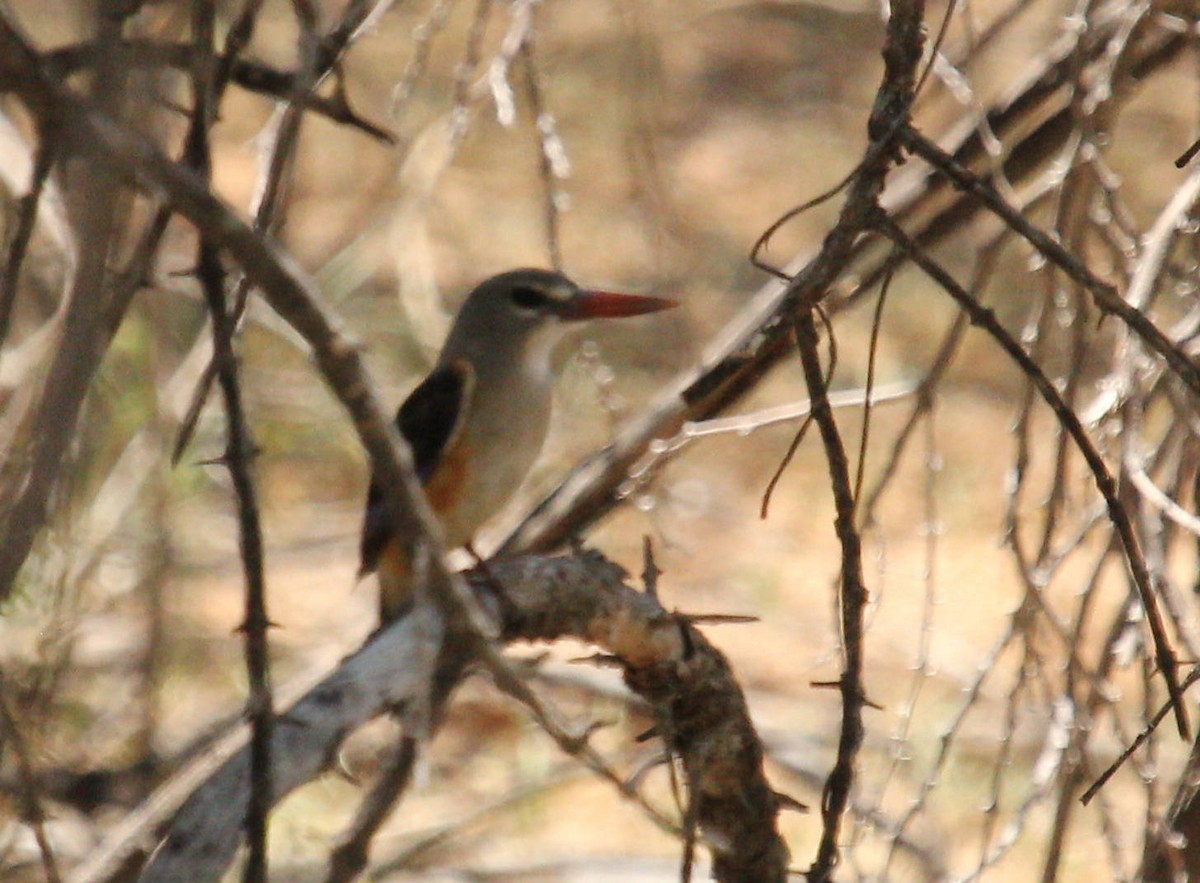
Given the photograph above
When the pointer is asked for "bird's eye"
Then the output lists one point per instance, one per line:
(528, 298)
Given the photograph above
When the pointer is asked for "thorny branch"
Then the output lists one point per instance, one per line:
(254, 76)
(836, 796)
(239, 453)
(320, 59)
(666, 661)
(1105, 294)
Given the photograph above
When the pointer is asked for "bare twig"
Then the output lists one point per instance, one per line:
(575, 745)
(553, 164)
(984, 318)
(836, 795)
(1092, 790)
(319, 59)
(254, 76)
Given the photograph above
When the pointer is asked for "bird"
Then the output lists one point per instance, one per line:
(477, 422)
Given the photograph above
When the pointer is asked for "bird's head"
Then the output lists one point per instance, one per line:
(524, 313)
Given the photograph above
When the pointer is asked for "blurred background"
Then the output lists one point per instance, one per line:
(650, 144)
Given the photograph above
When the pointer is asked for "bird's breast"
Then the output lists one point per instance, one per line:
(489, 460)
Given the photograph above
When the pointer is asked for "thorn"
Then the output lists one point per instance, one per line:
(646, 736)
(245, 626)
(685, 635)
(837, 685)
(650, 569)
(1187, 156)
(786, 801)
(719, 618)
(341, 769)
(604, 660)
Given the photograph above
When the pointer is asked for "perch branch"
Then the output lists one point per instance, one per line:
(666, 662)
(31, 810)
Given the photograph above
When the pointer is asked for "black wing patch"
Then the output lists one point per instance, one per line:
(430, 415)
(429, 419)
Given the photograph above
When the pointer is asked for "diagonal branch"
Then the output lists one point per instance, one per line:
(1106, 295)
(83, 341)
(27, 214)
(253, 76)
(985, 319)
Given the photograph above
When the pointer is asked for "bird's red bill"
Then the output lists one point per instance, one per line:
(590, 304)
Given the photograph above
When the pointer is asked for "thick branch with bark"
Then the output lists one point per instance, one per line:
(695, 697)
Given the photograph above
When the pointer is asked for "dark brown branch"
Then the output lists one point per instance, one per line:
(349, 859)
(1129, 750)
(750, 345)
(853, 593)
(84, 340)
(318, 58)
(236, 41)
(239, 452)
(253, 76)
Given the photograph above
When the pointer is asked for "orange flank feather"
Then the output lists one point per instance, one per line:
(445, 485)
(395, 566)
